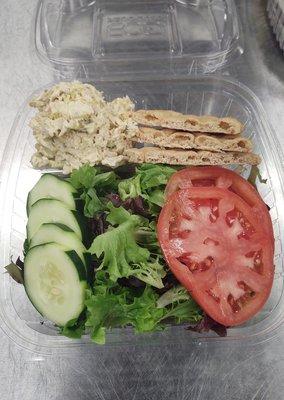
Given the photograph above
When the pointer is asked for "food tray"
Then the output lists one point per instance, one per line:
(197, 95)
(106, 36)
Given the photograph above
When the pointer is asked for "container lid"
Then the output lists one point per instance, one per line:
(103, 37)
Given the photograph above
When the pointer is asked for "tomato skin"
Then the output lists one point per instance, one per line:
(199, 283)
(226, 179)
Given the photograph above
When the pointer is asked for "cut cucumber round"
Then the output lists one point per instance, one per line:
(55, 281)
(52, 187)
(54, 211)
(61, 234)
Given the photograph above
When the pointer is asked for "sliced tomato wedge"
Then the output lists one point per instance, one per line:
(218, 250)
(226, 179)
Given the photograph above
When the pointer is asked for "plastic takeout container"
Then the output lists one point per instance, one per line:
(195, 36)
(192, 93)
(196, 95)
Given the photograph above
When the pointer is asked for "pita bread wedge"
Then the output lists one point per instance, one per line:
(169, 138)
(190, 123)
(189, 157)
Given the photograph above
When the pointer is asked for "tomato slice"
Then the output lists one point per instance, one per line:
(218, 250)
(226, 179)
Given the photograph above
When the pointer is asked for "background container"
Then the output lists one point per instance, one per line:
(275, 9)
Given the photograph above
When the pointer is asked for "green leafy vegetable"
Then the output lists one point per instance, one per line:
(154, 175)
(26, 247)
(254, 175)
(150, 272)
(94, 184)
(187, 311)
(149, 182)
(75, 328)
(179, 305)
(15, 272)
(92, 203)
(129, 188)
(111, 305)
(143, 313)
(156, 197)
(128, 251)
(105, 182)
(83, 178)
(146, 236)
(122, 256)
(176, 294)
(88, 177)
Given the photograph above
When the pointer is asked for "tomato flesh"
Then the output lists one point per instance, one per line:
(218, 250)
(226, 179)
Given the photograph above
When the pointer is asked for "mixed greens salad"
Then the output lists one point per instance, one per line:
(124, 279)
(92, 258)
(131, 284)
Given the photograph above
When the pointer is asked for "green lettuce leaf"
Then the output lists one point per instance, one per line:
(187, 311)
(129, 188)
(105, 182)
(143, 313)
(176, 294)
(149, 182)
(121, 255)
(111, 305)
(88, 177)
(15, 272)
(75, 328)
(83, 178)
(178, 304)
(254, 175)
(92, 203)
(154, 175)
(93, 184)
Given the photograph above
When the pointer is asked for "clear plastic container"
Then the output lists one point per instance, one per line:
(107, 36)
(138, 48)
(196, 95)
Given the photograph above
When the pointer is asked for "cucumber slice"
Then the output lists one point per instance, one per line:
(60, 234)
(55, 282)
(54, 211)
(51, 187)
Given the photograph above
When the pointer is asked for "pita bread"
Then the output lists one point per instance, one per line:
(169, 138)
(190, 123)
(189, 157)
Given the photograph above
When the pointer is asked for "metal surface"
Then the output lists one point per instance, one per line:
(199, 372)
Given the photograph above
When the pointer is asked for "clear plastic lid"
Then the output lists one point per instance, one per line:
(110, 36)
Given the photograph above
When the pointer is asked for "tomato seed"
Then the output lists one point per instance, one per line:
(211, 241)
(233, 303)
(212, 294)
(244, 286)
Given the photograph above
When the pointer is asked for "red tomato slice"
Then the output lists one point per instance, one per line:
(226, 179)
(218, 250)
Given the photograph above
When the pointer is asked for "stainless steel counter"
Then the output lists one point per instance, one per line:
(207, 371)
